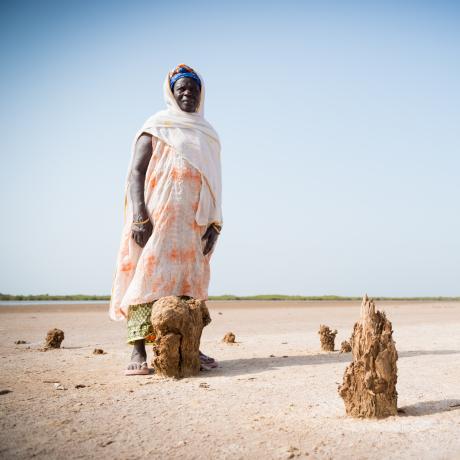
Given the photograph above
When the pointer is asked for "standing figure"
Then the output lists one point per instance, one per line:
(173, 212)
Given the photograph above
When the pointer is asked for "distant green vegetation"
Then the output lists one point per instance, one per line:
(280, 297)
(82, 297)
(47, 297)
(318, 297)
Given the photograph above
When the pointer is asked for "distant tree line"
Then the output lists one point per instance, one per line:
(47, 297)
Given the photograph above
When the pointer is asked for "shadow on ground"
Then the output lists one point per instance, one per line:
(430, 407)
(244, 366)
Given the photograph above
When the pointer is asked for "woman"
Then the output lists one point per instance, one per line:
(172, 212)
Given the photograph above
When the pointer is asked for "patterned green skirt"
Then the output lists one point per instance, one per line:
(139, 325)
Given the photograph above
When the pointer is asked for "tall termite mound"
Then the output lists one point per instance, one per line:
(326, 337)
(369, 382)
(177, 326)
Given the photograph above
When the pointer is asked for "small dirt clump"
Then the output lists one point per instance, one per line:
(369, 382)
(54, 338)
(345, 347)
(99, 351)
(327, 337)
(229, 337)
(177, 327)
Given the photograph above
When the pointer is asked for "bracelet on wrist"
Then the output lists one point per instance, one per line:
(216, 227)
(141, 222)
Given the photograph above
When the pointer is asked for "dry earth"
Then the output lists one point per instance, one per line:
(274, 395)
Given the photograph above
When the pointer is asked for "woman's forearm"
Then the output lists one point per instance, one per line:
(137, 194)
(142, 155)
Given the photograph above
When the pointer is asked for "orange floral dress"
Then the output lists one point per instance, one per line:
(172, 261)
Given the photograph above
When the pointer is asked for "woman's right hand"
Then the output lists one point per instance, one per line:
(141, 232)
(142, 155)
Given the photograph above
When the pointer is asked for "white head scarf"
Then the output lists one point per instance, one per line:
(196, 140)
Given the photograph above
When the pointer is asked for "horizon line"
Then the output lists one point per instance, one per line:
(87, 297)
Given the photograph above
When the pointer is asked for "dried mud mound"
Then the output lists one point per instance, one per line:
(327, 338)
(54, 338)
(177, 326)
(369, 382)
(345, 347)
(229, 337)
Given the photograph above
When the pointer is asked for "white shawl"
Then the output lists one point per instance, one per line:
(195, 139)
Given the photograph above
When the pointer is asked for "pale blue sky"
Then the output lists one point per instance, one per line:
(339, 123)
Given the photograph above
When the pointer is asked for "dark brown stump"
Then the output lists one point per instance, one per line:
(54, 338)
(369, 382)
(177, 326)
(345, 347)
(229, 337)
(327, 338)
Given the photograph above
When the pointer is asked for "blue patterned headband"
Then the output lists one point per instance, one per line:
(184, 73)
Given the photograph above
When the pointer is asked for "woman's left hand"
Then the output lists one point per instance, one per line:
(210, 237)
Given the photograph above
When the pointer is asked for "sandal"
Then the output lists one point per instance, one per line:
(143, 370)
(207, 361)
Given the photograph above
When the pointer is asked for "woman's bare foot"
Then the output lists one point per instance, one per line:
(138, 364)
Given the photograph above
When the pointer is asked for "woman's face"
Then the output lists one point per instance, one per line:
(187, 94)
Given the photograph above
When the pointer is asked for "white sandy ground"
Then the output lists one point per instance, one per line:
(253, 407)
